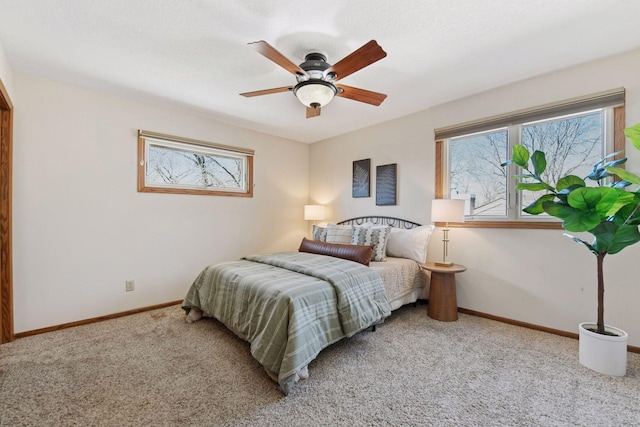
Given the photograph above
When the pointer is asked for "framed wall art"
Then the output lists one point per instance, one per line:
(361, 181)
(386, 184)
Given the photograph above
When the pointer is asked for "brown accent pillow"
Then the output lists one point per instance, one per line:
(357, 253)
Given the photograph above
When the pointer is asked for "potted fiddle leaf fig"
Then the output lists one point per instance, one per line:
(610, 211)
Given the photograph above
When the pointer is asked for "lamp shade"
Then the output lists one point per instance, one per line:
(447, 210)
(314, 93)
(314, 212)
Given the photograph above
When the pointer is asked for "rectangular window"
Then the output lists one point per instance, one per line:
(169, 164)
(573, 138)
(573, 145)
(475, 174)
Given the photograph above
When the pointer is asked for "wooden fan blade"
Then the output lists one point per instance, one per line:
(313, 112)
(366, 55)
(267, 91)
(362, 95)
(268, 51)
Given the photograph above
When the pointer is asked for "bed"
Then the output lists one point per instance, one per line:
(291, 305)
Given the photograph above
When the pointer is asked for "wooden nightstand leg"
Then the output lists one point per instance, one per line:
(443, 304)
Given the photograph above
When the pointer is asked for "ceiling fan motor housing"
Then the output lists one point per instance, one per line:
(315, 61)
(315, 65)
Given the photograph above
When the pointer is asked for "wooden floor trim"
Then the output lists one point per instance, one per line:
(631, 348)
(95, 319)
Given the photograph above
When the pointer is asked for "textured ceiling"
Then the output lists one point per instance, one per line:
(193, 53)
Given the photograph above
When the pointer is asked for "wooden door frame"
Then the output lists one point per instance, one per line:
(6, 185)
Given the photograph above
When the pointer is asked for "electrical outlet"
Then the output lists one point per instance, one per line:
(130, 284)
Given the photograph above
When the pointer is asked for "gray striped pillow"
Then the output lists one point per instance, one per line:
(319, 233)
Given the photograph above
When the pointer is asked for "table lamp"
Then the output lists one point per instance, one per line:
(314, 213)
(446, 210)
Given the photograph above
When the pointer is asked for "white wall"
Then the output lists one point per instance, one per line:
(400, 141)
(81, 229)
(535, 276)
(6, 73)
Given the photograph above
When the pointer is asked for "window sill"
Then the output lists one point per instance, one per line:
(542, 225)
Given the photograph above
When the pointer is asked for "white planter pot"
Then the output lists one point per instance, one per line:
(603, 353)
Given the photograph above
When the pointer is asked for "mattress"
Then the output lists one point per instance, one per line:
(404, 280)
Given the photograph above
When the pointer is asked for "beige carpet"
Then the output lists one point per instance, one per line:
(152, 369)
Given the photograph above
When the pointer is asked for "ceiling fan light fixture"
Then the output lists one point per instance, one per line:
(314, 93)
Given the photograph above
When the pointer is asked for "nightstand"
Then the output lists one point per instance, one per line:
(443, 304)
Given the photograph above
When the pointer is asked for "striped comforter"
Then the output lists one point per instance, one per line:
(290, 305)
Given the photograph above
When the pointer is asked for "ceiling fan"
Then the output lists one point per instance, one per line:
(316, 78)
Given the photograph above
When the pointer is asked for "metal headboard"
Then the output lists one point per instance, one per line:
(381, 220)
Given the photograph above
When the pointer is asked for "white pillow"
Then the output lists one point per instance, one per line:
(339, 234)
(410, 244)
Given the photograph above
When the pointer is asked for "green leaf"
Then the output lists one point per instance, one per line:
(608, 156)
(533, 186)
(611, 238)
(573, 219)
(633, 133)
(626, 235)
(558, 209)
(616, 162)
(520, 156)
(577, 240)
(524, 176)
(569, 181)
(539, 162)
(598, 174)
(599, 164)
(624, 174)
(598, 199)
(563, 195)
(620, 184)
(581, 221)
(624, 198)
(628, 212)
(536, 208)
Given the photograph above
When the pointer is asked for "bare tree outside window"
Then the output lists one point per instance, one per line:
(573, 144)
(170, 164)
(476, 174)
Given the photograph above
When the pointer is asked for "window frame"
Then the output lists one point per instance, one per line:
(146, 138)
(441, 156)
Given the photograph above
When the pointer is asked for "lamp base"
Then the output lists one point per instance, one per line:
(444, 264)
